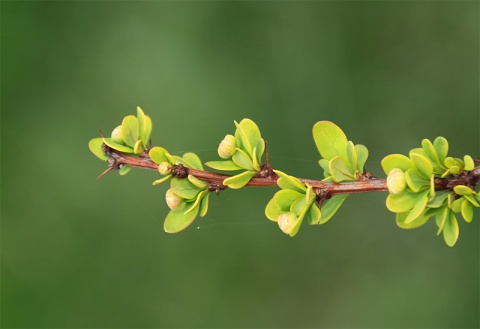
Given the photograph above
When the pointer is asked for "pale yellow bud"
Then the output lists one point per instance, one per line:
(165, 168)
(174, 202)
(227, 147)
(117, 135)
(286, 222)
(396, 182)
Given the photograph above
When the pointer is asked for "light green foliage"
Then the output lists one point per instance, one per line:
(243, 151)
(417, 201)
(130, 137)
(342, 160)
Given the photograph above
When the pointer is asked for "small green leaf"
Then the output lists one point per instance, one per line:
(330, 140)
(325, 165)
(124, 170)
(439, 199)
(227, 165)
(204, 205)
(467, 211)
(423, 165)
(260, 149)
(122, 148)
(285, 198)
(419, 221)
(331, 207)
(415, 181)
(95, 146)
(455, 170)
(177, 221)
(242, 139)
(402, 202)
(184, 189)
(272, 211)
(196, 204)
(418, 208)
(289, 182)
(399, 161)
(138, 148)
(472, 199)
(362, 154)
(450, 230)
(191, 160)
(441, 218)
(158, 155)
(144, 125)
(341, 171)
(313, 215)
(161, 180)
(430, 151)
(241, 159)
(252, 134)
(469, 164)
(256, 165)
(298, 206)
(462, 190)
(441, 147)
(130, 130)
(352, 155)
(240, 180)
(197, 182)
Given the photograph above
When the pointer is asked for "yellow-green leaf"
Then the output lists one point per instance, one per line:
(331, 206)
(130, 130)
(399, 161)
(330, 140)
(340, 170)
(95, 146)
(240, 180)
(177, 221)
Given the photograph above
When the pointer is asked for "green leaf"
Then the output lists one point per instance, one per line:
(281, 203)
(362, 155)
(402, 202)
(197, 182)
(252, 134)
(242, 139)
(161, 180)
(469, 164)
(95, 146)
(330, 208)
(227, 165)
(260, 149)
(341, 171)
(177, 221)
(130, 130)
(256, 165)
(124, 170)
(418, 208)
(472, 199)
(399, 161)
(138, 148)
(298, 206)
(352, 155)
(196, 204)
(158, 155)
(122, 148)
(240, 180)
(144, 125)
(414, 180)
(330, 140)
(450, 230)
(289, 182)
(313, 215)
(325, 165)
(191, 160)
(441, 147)
(462, 190)
(441, 218)
(272, 210)
(204, 205)
(242, 159)
(430, 151)
(439, 199)
(184, 189)
(467, 211)
(423, 165)
(419, 221)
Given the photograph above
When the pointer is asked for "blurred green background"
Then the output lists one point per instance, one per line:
(83, 253)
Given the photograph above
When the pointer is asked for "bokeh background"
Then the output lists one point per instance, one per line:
(77, 252)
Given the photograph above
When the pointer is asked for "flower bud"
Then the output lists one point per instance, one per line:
(165, 168)
(174, 202)
(227, 147)
(286, 222)
(396, 182)
(117, 135)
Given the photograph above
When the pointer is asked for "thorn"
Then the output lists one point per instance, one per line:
(104, 173)
(103, 136)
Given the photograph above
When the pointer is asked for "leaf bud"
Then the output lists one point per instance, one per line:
(117, 135)
(165, 168)
(286, 222)
(227, 147)
(174, 202)
(396, 182)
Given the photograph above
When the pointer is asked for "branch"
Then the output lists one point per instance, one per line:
(366, 183)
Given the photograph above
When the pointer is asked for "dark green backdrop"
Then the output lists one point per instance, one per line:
(81, 253)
